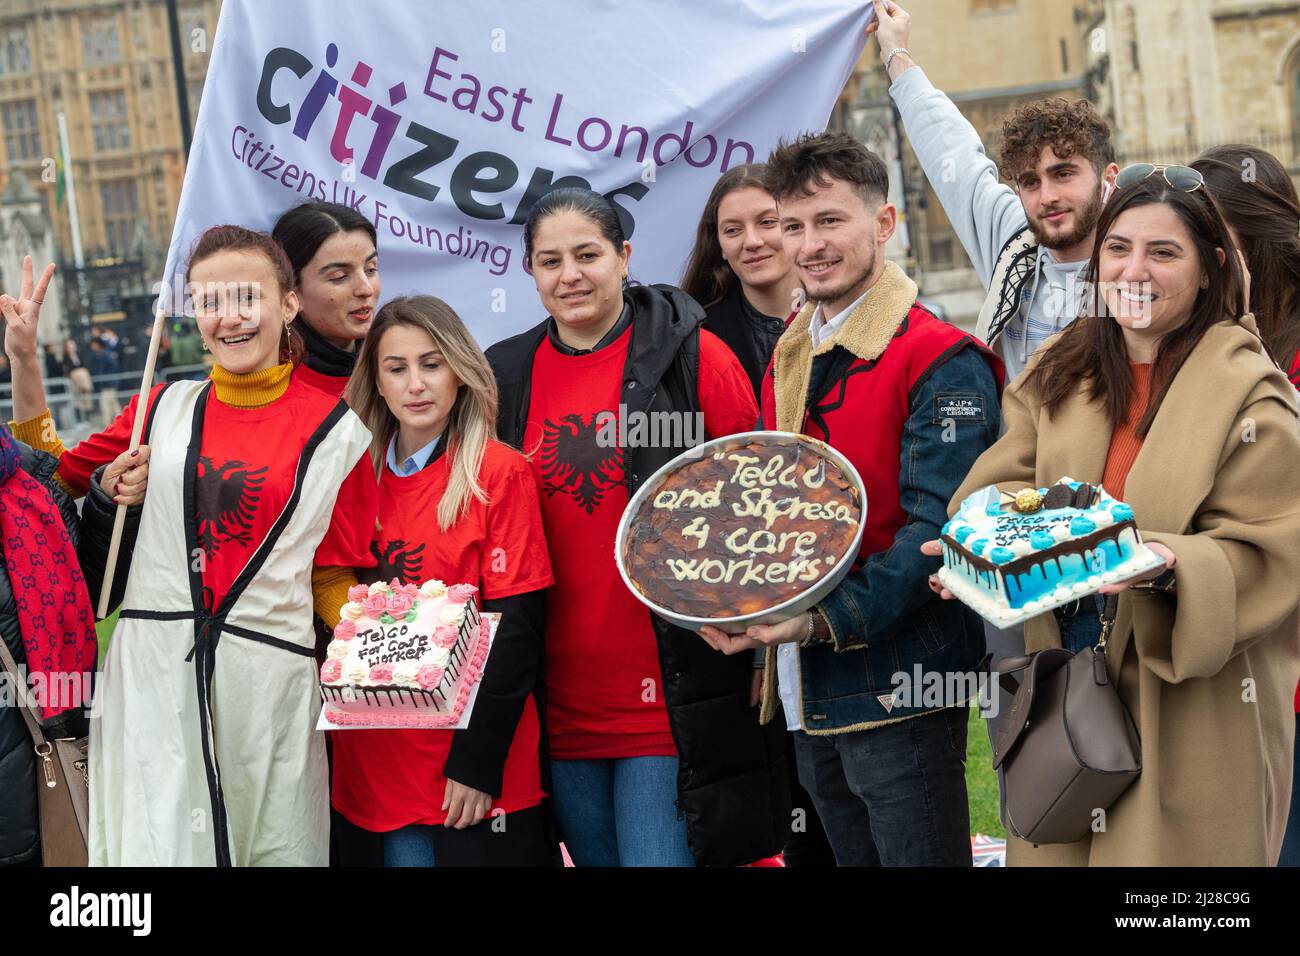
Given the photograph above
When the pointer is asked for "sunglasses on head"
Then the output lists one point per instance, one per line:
(1183, 178)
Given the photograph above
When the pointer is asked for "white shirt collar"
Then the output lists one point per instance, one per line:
(821, 328)
(413, 462)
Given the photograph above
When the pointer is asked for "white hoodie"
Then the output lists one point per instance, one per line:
(985, 213)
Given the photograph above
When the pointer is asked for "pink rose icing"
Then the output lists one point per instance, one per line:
(358, 593)
(331, 670)
(376, 604)
(399, 604)
(410, 590)
(429, 677)
(345, 630)
(460, 593)
(445, 636)
(381, 673)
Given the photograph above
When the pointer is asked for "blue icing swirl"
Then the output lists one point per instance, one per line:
(993, 510)
(946, 529)
(978, 545)
(964, 532)
(1042, 540)
(1121, 512)
(1001, 555)
(1082, 525)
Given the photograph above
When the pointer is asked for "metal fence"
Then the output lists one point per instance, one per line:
(81, 413)
(1285, 146)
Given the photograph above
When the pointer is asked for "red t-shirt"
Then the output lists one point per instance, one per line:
(333, 385)
(247, 461)
(604, 687)
(386, 779)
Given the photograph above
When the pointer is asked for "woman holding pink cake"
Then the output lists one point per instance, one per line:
(460, 507)
(206, 750)
(1166, 396)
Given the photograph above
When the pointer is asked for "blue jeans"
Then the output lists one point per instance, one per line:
(1080, 622)
(893, 795)
(409, 846)
(620, 812)
(1291, 840)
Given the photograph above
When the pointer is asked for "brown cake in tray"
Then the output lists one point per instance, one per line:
(741, 530)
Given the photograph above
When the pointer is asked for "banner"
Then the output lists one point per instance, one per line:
(444, 123)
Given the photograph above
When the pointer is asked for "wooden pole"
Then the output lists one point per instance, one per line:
(137, 430)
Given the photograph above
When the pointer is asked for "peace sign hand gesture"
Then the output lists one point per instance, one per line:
(21, 317)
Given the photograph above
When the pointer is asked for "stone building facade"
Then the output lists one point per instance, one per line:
(1177, 77)
(107, 65)
(988, 56)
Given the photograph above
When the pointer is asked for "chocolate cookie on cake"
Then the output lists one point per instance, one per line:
(1011, 557)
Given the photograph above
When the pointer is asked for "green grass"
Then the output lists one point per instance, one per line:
(104, 631)
(981, 781)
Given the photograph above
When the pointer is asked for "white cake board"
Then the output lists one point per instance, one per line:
(978, 600)
(324, 723)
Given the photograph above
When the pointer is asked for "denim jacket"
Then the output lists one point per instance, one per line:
(884, 618)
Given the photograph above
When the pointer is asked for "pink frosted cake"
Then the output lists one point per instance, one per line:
(404, 656)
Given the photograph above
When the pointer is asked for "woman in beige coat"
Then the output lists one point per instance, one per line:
(1175, 407)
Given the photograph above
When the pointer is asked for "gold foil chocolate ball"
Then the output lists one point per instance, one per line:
(1028, 501)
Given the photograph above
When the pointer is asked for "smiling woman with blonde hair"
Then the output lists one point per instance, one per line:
(457, 506)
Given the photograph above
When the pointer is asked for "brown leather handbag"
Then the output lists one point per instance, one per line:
(1067, 747)
(62, 781)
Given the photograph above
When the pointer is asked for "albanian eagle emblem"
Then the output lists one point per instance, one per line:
(574, 463)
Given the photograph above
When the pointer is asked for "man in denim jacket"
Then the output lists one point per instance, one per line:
(912, 402)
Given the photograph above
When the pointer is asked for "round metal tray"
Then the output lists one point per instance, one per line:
(787, 609)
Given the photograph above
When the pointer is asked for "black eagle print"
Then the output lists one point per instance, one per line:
(226, 498)
(573, 463)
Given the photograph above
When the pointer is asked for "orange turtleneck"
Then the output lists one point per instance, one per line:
(1124, 441)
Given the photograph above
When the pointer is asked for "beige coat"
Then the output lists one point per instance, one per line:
(1209, 676)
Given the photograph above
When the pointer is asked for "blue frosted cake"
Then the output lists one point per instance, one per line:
(1012, 557)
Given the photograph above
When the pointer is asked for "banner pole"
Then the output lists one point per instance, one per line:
(137, 430)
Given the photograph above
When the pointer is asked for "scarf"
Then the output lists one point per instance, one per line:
(54, 615)
(324, 356)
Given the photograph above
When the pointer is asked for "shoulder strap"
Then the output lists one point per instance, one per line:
(26, 705)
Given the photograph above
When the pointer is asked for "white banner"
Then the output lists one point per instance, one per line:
(444, 123)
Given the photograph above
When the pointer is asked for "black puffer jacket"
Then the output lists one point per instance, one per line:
(19, 825)
(732, 780)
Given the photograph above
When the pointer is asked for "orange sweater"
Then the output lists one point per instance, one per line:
(1124, 442)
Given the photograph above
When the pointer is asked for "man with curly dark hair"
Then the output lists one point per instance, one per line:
(1028, 241)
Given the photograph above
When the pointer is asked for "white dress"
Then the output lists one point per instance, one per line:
(204, 751)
